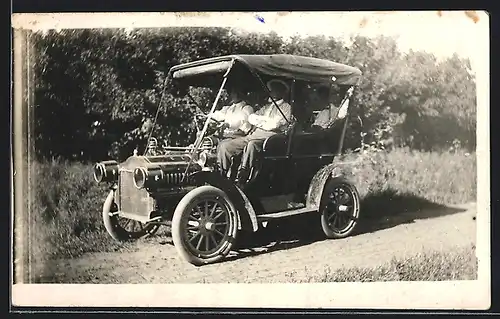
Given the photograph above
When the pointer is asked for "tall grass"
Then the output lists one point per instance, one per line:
(65, 211)
(66, 205)
(442, 178)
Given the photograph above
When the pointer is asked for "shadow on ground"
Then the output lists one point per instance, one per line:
(389, 209)
(379, 211)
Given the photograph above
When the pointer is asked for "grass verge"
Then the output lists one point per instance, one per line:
(459, 264)
(66, 212)
(441, 178)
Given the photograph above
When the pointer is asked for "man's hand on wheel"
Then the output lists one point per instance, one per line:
(239, 133)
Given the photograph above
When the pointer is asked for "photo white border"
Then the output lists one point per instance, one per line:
(464, 295)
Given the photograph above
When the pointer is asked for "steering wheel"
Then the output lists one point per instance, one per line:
(214, 125)
(217, 127)
(203, 115)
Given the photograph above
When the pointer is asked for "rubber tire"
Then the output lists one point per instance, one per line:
(114, 232)
(330, 185)
(180, 210)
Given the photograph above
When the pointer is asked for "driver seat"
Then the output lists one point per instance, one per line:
(253, 171)
(275, 146)
(235, 166)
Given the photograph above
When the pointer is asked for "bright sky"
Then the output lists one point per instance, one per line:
(442, 34)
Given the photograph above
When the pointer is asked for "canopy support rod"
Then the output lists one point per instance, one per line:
(346, 120)
(157, 112)
(205, 126)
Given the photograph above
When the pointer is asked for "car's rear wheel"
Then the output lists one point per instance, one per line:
(340, 207)
(121, 228)
(204, 225)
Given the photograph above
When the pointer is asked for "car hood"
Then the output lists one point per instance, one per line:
(166, 162)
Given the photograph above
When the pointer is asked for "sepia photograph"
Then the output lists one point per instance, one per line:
(271, 159)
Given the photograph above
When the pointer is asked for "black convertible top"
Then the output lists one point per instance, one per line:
(279, 65)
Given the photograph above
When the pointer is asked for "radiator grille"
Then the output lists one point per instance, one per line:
(174, 178)
(132, 200)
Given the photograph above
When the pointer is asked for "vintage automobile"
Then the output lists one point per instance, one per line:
(182, 187)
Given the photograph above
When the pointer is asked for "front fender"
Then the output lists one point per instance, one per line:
(319, 180)
(246, 212)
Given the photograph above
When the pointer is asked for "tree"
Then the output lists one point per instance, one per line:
(97, 92)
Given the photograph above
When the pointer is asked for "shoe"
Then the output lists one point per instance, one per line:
(241, 185)
(242, 175)
(222, 172)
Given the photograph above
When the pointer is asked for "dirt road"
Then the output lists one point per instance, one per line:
(276, 254)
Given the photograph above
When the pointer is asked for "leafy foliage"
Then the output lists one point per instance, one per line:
(97, 91)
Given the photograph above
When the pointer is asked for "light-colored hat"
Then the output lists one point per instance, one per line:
(276, 83)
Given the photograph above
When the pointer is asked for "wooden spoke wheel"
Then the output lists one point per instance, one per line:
(204, 225)
(121, 228)
(339, 208)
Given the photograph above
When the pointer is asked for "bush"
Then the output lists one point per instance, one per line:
(439, 177)
(65, 211)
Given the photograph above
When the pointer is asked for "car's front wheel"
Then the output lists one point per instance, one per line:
(339, 208)
(204, 225)
(121, 228)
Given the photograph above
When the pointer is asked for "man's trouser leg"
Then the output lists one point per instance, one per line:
(252, 151)
(228, 148)
(251, 154)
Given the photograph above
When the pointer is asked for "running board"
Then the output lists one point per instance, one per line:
(139, 218)
(286, 213)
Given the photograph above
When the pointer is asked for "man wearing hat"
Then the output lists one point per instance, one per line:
(330, 113)
(234, 116)
(265, 122)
